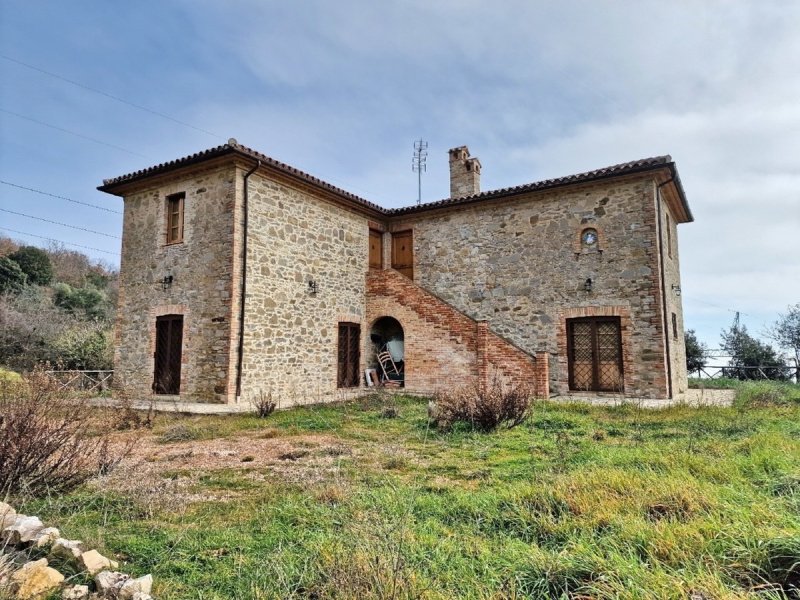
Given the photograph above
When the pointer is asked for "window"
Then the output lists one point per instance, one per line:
(669, 237)
(589, 238)
(349, 355)
(175, 218)
(675, 326)
(594, 350)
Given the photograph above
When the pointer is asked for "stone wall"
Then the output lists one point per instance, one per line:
(291, 334)
(520, 265)
(201, 290)
(672, 282)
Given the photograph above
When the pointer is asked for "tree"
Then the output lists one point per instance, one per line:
(750, 358)
(87, 301)
(695, 352)
(786, 333)
(12, 277)
(35, 263)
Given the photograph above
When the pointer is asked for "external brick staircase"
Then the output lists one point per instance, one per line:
(444, 347)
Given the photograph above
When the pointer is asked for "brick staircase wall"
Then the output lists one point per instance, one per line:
(445, 348)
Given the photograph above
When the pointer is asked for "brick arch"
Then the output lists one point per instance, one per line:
(626, 330)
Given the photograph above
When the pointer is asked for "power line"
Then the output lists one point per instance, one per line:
(116, 237)
(75, 133)
(22, 187)
(58, 241)
(107, 95)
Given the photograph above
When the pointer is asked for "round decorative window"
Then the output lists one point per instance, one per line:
(589, 237)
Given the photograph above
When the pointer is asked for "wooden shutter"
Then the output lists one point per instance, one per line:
(403, 253)
(349, 355)
(375, 249)
(175, 218)
(169, 345)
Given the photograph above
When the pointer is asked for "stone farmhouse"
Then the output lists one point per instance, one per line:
(242, 276)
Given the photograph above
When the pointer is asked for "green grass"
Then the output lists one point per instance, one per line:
(577, 502)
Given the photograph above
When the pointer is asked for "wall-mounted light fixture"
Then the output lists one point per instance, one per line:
(312, 287)
(166, 282)
(588, 285)
(676, 289)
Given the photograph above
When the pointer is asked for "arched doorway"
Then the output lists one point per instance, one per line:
(387, 338)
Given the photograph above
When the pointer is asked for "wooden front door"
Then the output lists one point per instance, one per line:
(169, 344)
(594, 347)
(349, 355)
(403, 253)
(375, 249)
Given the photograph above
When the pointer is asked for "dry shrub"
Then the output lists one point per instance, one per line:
(50, 441)
(264, 404)
(483, 408)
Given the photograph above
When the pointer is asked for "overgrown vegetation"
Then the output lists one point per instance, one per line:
(482, 408)
(50, 441)
(340, 502)
(56, 307)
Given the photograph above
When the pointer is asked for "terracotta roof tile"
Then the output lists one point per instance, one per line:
(233, 147)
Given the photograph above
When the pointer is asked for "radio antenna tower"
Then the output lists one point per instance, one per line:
(419, 164)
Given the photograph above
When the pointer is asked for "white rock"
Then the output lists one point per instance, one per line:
(94, 562)
(140, 585)
(25, 529)
(35, 580)
(67, 549)
(109, 582)
(47, 536)
(7, 515)
(76, 592)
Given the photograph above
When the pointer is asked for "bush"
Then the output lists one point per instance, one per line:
(48, 441)
(483, 408)
(12, 277)
(264, 405)
(766, 393)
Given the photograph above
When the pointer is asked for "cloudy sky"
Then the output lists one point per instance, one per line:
(94, 89)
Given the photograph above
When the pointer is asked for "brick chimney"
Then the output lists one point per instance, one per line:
(465, 173)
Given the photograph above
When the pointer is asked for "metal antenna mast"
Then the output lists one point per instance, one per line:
(419, 164)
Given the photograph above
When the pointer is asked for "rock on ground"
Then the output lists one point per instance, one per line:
(35, 580)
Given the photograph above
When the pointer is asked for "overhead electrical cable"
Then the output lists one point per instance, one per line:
(75, 133)
(41, 237)
(107, 95)
(22, 187)
(5, 210)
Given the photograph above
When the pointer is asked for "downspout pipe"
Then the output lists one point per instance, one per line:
(664, 285)
(240, 353)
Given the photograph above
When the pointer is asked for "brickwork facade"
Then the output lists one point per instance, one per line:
(496, 283)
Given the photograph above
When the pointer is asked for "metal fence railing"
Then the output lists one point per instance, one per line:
(83, 381)
(782, 373)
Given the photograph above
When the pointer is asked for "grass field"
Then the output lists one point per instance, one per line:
(357, 501)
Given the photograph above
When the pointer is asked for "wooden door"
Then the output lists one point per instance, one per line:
(375, 249)
(403, 253)
(349, 355)
(169, 344)
(594, 348)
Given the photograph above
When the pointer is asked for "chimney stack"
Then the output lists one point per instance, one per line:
(465, 173)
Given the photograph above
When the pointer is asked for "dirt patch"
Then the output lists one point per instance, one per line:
(169, 474)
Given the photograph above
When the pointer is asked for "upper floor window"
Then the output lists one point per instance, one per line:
(669, 236)
(175, 204)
